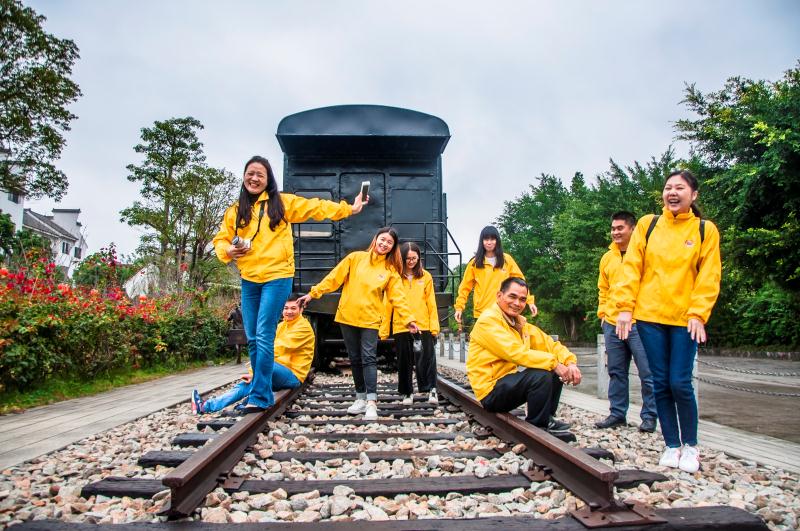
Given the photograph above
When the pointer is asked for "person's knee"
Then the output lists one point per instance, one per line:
(681, 388)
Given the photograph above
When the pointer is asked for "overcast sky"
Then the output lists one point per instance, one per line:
(525, 87)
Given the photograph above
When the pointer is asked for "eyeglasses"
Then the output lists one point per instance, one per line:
(412, 259)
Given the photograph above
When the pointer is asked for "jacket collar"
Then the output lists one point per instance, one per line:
(684, 215)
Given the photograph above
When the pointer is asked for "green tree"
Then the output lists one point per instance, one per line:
(747, 144)
(35, 91)
(182, 203)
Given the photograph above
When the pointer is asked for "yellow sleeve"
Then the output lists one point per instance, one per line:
(299, 209)
(624, 292)
(397, 298)
(303, 350)
(602, 289)
(539, 340)
(505, 344)
(334, 279)
(467, 283)
(430, 301)
(515, 271)
(706, 284)
(227, 230)
(386, 319)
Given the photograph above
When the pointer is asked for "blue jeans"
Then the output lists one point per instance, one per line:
(262, 304)
(619, 362)
(670, 352)
(282, 378)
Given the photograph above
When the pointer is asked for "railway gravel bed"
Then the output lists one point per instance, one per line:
(50, 487)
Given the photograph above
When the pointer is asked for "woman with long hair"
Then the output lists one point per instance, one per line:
(417, 284)
(670, 283)
(366, 277)
(263, 251)
(485, 272)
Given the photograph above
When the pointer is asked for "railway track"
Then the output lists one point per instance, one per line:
(305, 459)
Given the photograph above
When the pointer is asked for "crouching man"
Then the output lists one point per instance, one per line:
(501, 342)
(294, 352)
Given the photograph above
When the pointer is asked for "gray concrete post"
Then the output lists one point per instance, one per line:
(441, 344)
(602, 368)
(462, 354)
(450, 347)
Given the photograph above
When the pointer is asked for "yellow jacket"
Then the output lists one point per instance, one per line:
(272, 253)
(366, 278)
(294, 346)
(610, 272)
(421, 297)
(672, 277)
(486, 282)
(497, 349)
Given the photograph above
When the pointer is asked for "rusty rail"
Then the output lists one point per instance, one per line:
(589, 479)
(190, 482)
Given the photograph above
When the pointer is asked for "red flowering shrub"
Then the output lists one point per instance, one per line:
(49, 328)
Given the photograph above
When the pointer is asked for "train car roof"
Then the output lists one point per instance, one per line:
(364, 130)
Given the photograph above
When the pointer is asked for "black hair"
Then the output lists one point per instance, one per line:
(691, 180)
(416, 271)
(512, 280)
(275, 210)
(293, 296)
(487, 233)
(393, 259)
(628, 217)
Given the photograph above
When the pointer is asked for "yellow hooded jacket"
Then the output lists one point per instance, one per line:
(421, 297)
(294, 346)
(496, 349)
(366, 278)
(672, 277)
(271, 254)
(486, 282)
(610, 272)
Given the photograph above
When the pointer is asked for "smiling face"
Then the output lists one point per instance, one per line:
(489, 245)
(513, 300)
(384, 243)
(678, 195)
(621, 233)
(291, 311)
(255, 178)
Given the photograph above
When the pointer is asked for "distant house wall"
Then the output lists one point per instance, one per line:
(13, 204)
(63, 230)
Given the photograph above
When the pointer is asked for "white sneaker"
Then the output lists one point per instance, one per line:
(690, 459)
(371, 412)
(671, 457)
(358, 407)
(408, 400)
(433, 396)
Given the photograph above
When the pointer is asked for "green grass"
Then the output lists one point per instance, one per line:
(58, 389)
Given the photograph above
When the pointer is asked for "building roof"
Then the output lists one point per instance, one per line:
(45, 225)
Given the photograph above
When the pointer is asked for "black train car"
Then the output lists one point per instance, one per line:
(328, 152)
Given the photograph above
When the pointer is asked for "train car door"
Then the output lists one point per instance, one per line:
(357, 231)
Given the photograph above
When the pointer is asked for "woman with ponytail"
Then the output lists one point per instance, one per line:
(263, 250)
(366, 277)
(669, 285)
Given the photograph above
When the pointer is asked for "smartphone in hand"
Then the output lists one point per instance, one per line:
(364, 190)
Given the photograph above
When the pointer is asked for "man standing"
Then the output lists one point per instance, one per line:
(501, 341)
(620, 352)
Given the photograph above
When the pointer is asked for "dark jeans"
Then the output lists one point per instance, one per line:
(425, 364)
(670, 352)
(620, 354)
(541, 390)
(362, 346)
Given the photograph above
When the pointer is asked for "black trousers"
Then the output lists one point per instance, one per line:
(541, 390)
(362, 347)
(425, 364)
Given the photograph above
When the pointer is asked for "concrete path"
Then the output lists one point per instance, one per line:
(44, 429)
(734, 442)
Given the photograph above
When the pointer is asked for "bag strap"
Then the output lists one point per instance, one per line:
(653, 226)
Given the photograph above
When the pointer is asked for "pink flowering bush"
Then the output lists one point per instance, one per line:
(49, 328)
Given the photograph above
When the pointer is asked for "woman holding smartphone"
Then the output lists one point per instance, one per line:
(366, 277)
(263, 251)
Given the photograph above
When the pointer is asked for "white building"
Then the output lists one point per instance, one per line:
(13, 204)
(63, 229)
